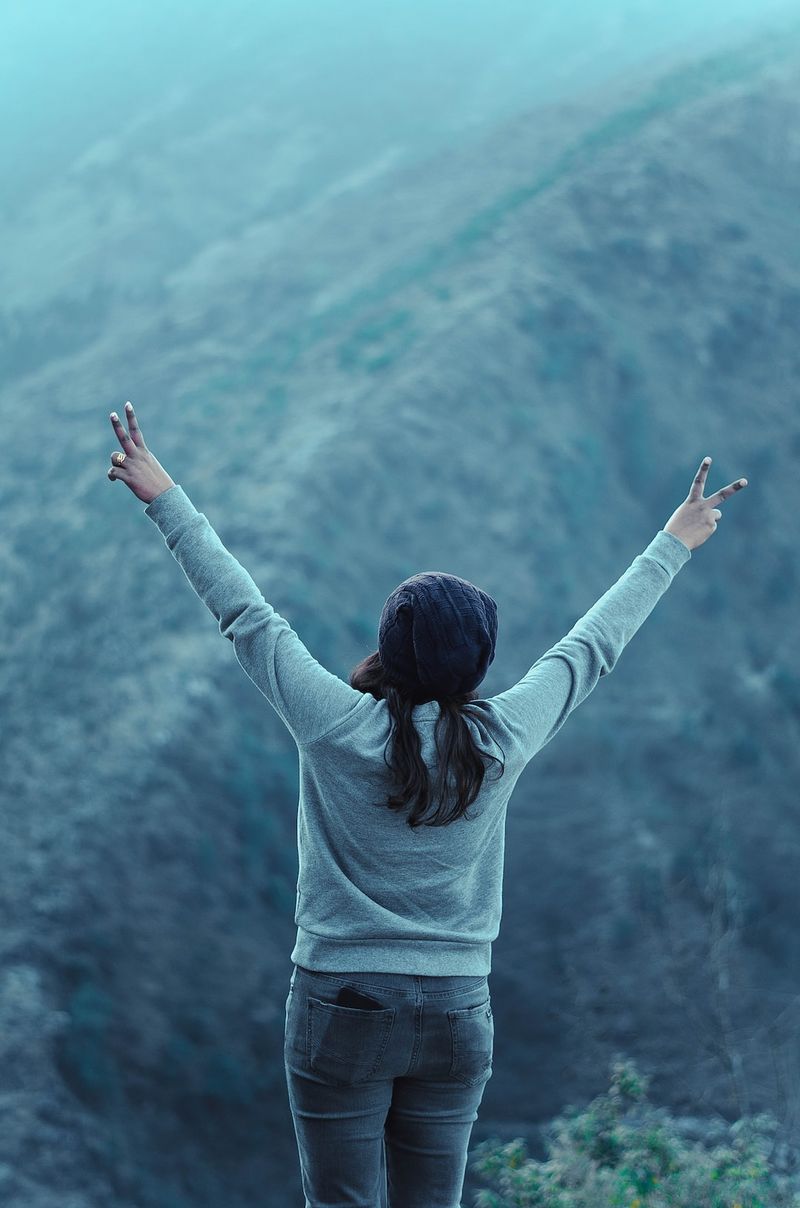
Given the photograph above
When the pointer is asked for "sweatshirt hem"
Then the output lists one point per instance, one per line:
(432, 958)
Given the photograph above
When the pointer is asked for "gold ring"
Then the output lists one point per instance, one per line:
(120, 458)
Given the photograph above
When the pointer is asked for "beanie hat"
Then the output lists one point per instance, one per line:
(437, 634)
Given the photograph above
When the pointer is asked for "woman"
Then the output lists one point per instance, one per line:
(389, 1030)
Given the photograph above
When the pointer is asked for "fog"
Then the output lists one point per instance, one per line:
(426, 285)
(416, 73)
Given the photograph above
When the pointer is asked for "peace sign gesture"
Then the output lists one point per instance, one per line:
(696, 518)
(136, 466)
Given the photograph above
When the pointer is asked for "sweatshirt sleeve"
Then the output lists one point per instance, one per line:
(309, 699)
(535, 708)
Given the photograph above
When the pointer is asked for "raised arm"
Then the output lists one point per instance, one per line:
(537, 706)
(308, 698)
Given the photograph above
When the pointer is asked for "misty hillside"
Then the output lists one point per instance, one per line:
(504, 360)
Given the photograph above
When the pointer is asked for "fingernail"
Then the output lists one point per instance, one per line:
(114, 415)
(129, 406)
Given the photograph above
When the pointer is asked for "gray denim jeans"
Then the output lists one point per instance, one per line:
(384, 1084)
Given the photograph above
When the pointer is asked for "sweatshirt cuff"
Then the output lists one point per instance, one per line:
(669, 551)
(169, 508)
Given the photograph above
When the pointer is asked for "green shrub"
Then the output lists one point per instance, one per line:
(621, 1152)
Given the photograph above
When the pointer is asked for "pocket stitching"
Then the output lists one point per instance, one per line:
(387, 1023)
(455, 1016)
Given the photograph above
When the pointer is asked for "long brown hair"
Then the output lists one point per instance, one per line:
(458, 752)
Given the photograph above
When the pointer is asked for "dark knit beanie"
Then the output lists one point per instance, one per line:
(437, 635)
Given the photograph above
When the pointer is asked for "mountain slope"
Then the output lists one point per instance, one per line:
(506, 363)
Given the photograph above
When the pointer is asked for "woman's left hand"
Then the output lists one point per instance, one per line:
(138, 469)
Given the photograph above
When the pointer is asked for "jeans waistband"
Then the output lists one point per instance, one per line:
(408, 983)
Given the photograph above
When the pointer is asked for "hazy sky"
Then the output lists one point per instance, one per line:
(71, 73)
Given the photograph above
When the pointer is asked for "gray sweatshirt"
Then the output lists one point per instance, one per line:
(373, 895)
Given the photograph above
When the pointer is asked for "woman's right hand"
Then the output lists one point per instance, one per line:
(696, 518)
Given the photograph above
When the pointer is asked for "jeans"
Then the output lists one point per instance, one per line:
(384, 1089)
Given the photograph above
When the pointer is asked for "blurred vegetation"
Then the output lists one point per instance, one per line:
(622, 1152)
(427, 369)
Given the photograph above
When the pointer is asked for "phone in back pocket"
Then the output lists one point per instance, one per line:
(348, 996)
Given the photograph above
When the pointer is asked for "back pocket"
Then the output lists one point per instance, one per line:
(345, 1045)
(472, 1039)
